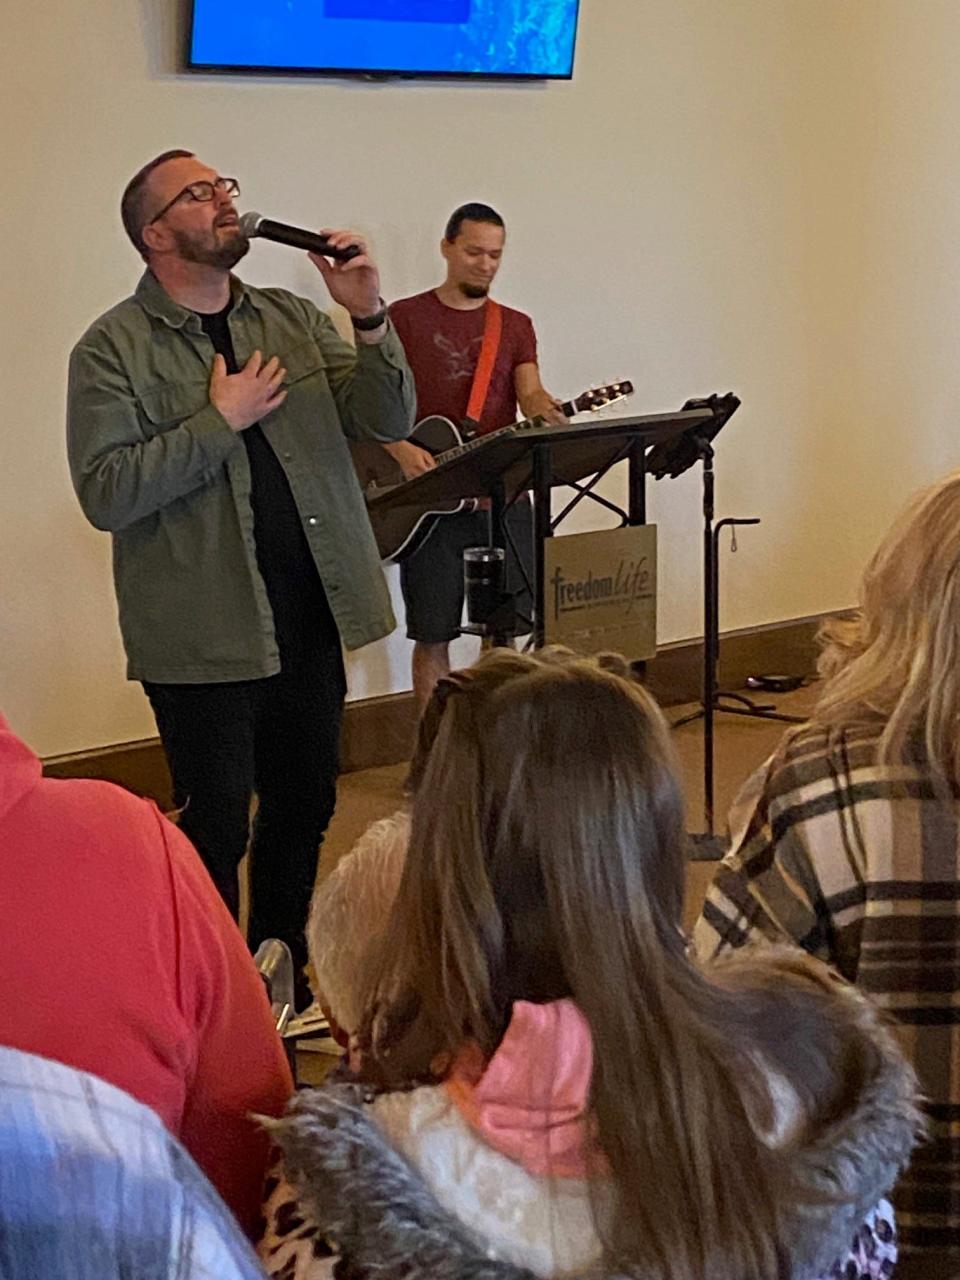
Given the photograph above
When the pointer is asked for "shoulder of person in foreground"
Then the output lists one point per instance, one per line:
(239, 1065)
(349, 1190)
(765, 888)
(859, 1138)
(843, 1108)
(362, 1199)
(98, 880)
(93, 1187)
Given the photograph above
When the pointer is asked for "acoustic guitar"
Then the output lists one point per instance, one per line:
(403, 530)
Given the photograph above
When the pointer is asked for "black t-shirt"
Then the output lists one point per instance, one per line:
(301, 612)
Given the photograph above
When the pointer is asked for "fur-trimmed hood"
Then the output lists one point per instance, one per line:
(385, 1219)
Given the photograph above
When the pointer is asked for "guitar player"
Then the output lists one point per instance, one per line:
(472, 360)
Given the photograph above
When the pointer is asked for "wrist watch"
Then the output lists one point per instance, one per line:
(367, 323)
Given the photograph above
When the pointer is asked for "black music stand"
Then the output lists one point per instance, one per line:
(540, 459)
(673, 459)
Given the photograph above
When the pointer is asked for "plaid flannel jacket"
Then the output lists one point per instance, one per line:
(859, 864)
(93, 1187)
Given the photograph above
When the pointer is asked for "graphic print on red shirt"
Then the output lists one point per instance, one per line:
(443, 346)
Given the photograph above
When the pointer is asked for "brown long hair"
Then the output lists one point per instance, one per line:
(546, 861)
(897, 661)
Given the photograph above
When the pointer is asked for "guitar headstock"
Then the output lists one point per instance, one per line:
(598, 397)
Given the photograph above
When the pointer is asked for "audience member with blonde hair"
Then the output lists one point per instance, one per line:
(548, 1084)
(847, 841)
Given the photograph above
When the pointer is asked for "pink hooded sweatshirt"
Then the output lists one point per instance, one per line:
(118, 957)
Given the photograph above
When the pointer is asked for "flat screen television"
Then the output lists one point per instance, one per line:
(495, 38)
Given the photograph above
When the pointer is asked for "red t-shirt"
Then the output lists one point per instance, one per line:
(443, 346)
(118, 957)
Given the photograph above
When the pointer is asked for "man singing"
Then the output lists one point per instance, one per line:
(206, 426)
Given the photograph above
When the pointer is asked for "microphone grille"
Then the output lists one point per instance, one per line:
(250, 224)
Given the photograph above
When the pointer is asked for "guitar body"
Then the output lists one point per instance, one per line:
(401, 531)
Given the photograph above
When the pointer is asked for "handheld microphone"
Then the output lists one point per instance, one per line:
(254, 224)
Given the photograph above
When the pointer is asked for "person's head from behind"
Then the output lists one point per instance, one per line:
(351, 907)
(494, 669)
(898, 661)
(547, 806)
(177, 208)
(546, 862)
(472, 247)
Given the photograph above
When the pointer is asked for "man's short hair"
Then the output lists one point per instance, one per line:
(472, 212)
(132, 201)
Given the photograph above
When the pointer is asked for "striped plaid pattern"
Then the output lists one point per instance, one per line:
(93, 1187)
(860, 865)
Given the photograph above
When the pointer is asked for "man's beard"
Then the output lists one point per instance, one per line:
(211, 251)
(474, 290)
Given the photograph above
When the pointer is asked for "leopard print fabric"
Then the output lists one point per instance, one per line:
(292, 1247)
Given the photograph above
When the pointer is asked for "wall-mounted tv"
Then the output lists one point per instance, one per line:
(497, 38)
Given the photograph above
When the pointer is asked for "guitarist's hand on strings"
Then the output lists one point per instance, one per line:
(412, 460)
(541, 404)
(533, 398)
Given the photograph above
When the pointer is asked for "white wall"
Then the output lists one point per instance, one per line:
(746, 194)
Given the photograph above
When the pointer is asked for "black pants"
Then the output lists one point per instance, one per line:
(279, 738)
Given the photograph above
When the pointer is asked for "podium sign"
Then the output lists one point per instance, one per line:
(600, 591)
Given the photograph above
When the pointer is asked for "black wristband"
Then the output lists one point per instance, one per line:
(367, 323)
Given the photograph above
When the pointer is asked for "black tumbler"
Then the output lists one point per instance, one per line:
(483, 569)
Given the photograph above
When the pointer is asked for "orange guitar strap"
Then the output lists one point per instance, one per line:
(492, 329)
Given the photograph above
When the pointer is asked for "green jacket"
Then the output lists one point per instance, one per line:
(154, 463)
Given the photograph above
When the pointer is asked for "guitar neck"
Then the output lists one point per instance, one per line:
(568, 408)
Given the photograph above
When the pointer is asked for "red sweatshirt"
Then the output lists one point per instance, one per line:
(117, 956)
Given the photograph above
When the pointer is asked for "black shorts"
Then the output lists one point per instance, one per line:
(432, 578)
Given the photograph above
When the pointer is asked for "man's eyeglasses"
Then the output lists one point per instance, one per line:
(202, 192)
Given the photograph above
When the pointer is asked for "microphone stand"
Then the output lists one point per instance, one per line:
(712, 697)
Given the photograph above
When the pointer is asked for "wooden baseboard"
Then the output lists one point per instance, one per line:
(379, 731)
(376, 731)
(675, 675)
(139, 766)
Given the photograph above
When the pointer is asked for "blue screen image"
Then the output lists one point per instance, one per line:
(458, 37)
(400, 10)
